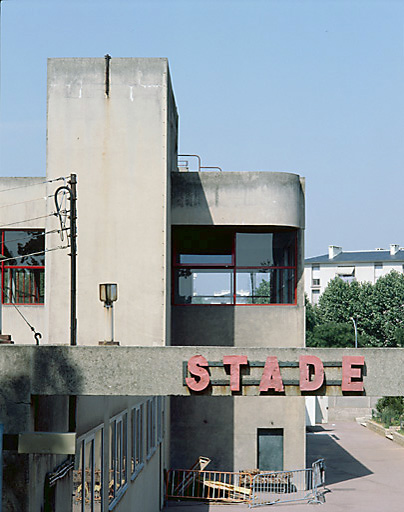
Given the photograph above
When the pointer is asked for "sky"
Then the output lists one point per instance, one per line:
(313, 87)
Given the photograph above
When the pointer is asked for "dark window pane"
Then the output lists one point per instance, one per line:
(203, 286)
(22, 243)
(269, 286)
(200, 245)
(265, 249)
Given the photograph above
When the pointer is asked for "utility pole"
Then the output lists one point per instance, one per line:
(71, 188)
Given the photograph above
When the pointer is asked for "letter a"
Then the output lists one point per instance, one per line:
(196, 368)
(271, 376)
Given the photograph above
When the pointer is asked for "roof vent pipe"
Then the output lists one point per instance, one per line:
(394, 248)
(333, 251)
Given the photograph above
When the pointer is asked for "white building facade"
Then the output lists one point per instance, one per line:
(350, 266)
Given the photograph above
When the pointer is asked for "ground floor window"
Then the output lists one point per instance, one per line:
(118, 443)
(160, 418)
(23, 266)
(137, 459)
(151, 427)
(88, 473)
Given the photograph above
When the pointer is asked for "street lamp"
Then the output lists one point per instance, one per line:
(108, 295)
(356, 331)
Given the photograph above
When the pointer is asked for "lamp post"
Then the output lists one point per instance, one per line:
(108, 295)
(356, 331)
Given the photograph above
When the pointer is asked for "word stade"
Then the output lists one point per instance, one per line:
(311, 373)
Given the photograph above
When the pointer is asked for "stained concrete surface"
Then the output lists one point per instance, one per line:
(365, 472)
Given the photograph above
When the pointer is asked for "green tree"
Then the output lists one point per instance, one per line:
(332, 334)
(311, 315)
(377, 309)
(390, 410)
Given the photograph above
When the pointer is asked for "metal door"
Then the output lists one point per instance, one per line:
(270, 449)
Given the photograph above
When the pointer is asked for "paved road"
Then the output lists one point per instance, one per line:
(365, 472)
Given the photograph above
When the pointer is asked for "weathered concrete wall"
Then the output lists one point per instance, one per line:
(257, 326)
(59, 370)
(252, 413)
(238, 198)
(203, 425)
(348, 408)
(121, 147)
(26, 200)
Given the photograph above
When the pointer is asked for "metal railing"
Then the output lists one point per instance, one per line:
(208, 485)
(287, 486)
(256, 489)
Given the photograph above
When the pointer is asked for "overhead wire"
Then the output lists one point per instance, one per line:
(33, 218)
(34, 184)
(35, 253)
(27, 201)
(51, 232)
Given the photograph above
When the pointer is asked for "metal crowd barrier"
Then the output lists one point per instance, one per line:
(287, 486)
(208, 485)
(263, 488)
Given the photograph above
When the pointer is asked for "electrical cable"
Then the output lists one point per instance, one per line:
(35, 253)
(33, 218)
(33, 184)
(51, 232)
(23, 202)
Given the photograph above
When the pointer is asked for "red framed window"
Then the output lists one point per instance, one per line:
(239, 266)
(23, 266)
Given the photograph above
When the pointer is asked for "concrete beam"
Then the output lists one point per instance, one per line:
(97, 370)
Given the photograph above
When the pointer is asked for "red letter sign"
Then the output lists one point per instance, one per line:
(235, 362)
(349, 373)
(196, 367)
(271, 376)
(317, 377)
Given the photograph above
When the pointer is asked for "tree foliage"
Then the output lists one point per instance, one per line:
(377, 309)
(390, 410)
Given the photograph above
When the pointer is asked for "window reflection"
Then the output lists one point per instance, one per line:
(87, 474)
(266, 286)
(204, 286)
(265, 249)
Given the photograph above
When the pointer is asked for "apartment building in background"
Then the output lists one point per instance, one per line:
(349, 266)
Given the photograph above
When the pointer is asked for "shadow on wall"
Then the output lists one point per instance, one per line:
(202, 425)
(20, 411)
(340, 465)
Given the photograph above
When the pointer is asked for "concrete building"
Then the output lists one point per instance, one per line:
(350, 266)
(200, 258)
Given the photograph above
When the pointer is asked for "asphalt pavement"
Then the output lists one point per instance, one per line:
(364, 472)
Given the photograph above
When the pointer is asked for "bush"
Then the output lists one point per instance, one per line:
(390, 410)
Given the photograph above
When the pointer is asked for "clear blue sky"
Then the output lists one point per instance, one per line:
(307, 86)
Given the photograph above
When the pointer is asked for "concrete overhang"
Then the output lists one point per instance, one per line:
(96, 370)
(240, 198)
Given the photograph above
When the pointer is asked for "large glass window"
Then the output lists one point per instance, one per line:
(23, 267)
(221, 265)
